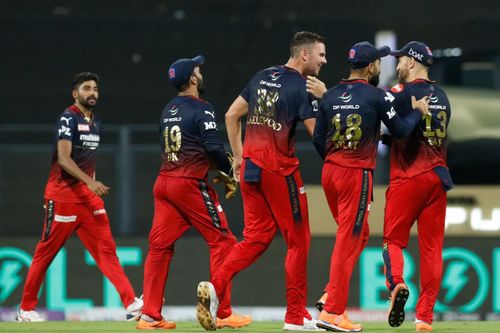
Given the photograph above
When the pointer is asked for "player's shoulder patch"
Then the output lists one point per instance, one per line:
(398, 88)
(67, 116)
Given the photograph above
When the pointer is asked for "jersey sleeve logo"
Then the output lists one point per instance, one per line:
(65, 120)
(397, 88)
(391, 113)
(315, 105)
(65, 129)
(210, 125)
(212, 114)
(389, 97)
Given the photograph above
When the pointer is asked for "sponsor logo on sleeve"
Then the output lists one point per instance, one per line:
(66, 120)
(315, 105)
(209, 125)
(64, 130)
(389, 97)
(391, 113)
(212, 114)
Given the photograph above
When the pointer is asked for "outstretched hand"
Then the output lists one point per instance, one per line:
(421, 105)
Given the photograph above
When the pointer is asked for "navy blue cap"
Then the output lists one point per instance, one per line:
(416, 50)
(363, 53)
(181, 70)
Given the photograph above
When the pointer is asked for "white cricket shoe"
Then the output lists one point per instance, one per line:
(134, 310)
(28, 316)
(309, 325)
(208, 304)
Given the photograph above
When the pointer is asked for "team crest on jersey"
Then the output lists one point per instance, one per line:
(83, 127)
(398, 88)
(345, 97)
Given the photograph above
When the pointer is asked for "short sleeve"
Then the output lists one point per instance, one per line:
(245, 93)
(206, 119)
(309, 106)
(66, 126)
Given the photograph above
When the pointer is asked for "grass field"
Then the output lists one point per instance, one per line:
(66, 326)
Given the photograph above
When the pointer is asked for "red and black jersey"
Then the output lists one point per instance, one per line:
(84, 135)
(277, 101)
(348, 125)
(425, 148)
(189, 139)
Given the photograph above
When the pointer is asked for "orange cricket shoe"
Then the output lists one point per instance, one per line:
(337, 322)
(399, 296)
(234, 321)
(356, 326)
(155, 325)
(422, 326)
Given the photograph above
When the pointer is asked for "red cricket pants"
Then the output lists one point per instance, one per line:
(422, 199)
(349, 194)
(91, 223)
(274, 202)
(179, 204)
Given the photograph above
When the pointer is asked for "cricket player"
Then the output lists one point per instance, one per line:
(73, 203)
(182, 197)
(419, 179)
(274, 101)
(346, 136)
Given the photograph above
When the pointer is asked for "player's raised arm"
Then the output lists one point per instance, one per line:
(236, 111)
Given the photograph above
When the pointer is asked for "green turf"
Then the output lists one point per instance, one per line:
(67, 326)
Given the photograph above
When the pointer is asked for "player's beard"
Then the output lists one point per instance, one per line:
(402, 75)
(375, 80)
(89, 102)
(201, 86)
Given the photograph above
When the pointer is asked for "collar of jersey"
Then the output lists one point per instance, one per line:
(293, 70)
(76, 109)
(192, 97)
(354, 81)
(421, 81)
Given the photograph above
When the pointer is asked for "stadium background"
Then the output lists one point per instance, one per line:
(130, 44)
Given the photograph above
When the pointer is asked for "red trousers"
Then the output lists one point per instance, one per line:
(276, 202)
(179, 204)
(349, 194)
(421, 199)
(91, 223)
